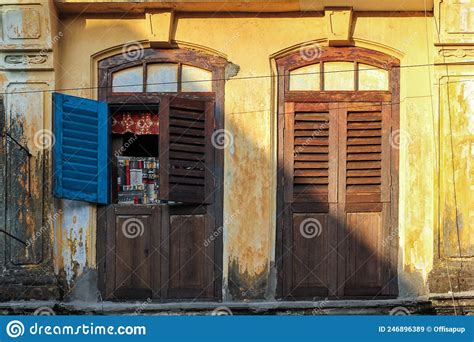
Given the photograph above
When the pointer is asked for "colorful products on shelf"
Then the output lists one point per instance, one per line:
(138, 180)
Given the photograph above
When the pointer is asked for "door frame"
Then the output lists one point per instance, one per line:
(297, 59)
(182, 56)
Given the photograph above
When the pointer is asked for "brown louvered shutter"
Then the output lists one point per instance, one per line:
(364, 155)
(311, 132)
(310, 208)
(336, 160)
(364, 197)
(186, 152)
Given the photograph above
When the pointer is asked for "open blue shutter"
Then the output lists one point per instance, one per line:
(81, 149)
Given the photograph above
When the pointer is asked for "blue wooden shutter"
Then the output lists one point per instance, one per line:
(81, 149)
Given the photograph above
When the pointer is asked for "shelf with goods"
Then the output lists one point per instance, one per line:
(137, 180)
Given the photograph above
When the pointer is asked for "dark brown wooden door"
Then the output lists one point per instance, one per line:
(168, 251)
(336, 200)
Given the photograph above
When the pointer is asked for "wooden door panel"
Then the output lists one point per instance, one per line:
(364, 251)
(186, 244)
(189, 272)
(159, 252)
(133, 252)
(311, 234)
(187, 157)
(363, 156)
(364, 199)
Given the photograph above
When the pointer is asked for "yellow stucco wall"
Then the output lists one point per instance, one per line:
(250, 165)
(38, 52)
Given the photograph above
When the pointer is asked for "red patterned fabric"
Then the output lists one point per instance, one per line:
(140, 123)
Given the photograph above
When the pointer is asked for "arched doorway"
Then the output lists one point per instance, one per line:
(164, 106)
(337, 201)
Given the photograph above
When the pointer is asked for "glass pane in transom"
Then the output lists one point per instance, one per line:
(195, 79)
(128, 80)
(372, 78)
(162, 78)
(305, 78)
(339, 76)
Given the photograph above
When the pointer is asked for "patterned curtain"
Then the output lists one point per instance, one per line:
(140, 123)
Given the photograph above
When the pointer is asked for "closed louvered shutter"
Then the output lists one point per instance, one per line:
(311, 153)
(186, 152)
(310, 193)
(336, 160)
(364, 156)
(364, 199)
(81, 148)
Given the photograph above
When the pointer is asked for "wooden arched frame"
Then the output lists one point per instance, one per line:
(211, 63)
(287, 100)
(356, 55)
(181, 56)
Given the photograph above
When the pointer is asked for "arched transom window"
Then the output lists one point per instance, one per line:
(162, 78)
(343, 70)
(170, 71)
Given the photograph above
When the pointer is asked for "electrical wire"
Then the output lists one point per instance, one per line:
(211, 80)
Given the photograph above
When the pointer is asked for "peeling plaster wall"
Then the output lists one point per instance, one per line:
(75, 249)
(453, 269)
(457, 172)
(250, 166)
(26, 75)
(73, 228)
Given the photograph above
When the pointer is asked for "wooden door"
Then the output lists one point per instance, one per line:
(175, 256)
(336, 193)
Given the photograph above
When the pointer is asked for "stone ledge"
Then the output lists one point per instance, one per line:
(461, 303)
(416, 306)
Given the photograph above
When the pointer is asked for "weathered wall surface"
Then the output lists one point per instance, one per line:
(250, 165)
(26, 74)
(435, 138)
(454, 73)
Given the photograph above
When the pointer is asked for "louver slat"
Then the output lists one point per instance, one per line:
(81, 131)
